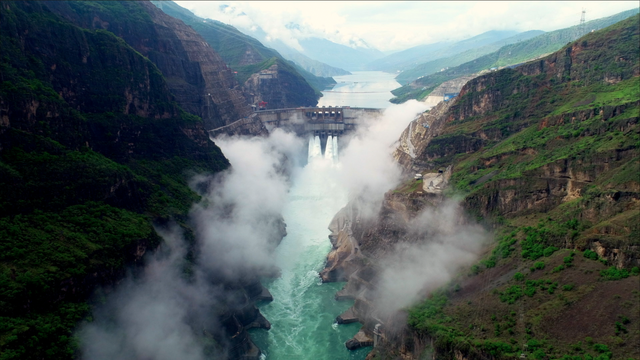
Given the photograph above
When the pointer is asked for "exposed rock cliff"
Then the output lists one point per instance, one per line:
(415, 138)
(360, 247)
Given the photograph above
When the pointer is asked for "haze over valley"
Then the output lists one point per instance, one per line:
(319, 180)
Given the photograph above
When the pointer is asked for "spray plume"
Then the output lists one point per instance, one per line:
(162, 313)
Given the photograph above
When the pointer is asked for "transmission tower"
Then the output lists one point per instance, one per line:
(580, 29)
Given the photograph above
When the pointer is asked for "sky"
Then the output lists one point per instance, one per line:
(394, 26)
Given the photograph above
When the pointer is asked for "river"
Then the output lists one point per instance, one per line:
(370, 89)
(303, 311)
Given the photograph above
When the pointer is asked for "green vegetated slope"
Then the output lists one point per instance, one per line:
(550, 154)
(507, 55)
(433, 66)
(241, 52)
(93, 149)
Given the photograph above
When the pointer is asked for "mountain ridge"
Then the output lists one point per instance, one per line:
(444, 63)
(408, 58)
(507, 55)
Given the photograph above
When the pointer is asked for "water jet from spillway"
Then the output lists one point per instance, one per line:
(315, 148)
(328, 152)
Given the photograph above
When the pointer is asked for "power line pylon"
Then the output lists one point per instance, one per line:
(582, 25)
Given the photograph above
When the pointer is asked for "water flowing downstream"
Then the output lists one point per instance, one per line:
(303, 311)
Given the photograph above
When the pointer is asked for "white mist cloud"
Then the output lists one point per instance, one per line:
(238, 223)
(395, 25)
(441, 244)
(162, 316)
(146, 318)
(368, 169)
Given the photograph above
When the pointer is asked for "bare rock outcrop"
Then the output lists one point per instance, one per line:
(359, 244)
(417, 136)
(448, 87)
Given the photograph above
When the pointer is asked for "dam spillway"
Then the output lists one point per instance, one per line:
(321, 121)
(316, 146)
(305, 121)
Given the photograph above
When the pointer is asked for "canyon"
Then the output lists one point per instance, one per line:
(501, 221)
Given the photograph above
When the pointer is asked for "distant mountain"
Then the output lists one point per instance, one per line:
(338, 55)
(315, 67)
(433, 66)
(506, 55)
(420, 54)
(318, 56)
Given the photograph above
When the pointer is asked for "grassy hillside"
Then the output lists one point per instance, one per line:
(506, 55)
(548, 155)
(93, 152)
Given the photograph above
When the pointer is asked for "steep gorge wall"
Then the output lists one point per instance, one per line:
(94, 152)
(591, 185)
(196, 75)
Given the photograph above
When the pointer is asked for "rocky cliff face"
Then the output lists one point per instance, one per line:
(360, 246)
(279, 87)
(415, 138)
(196, 75)
(543, 154)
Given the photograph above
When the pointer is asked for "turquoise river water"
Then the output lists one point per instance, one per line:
(303, 311)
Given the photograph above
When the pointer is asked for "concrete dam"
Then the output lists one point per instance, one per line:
(305, 122)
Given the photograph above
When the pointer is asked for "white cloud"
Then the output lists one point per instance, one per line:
(398, 25)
